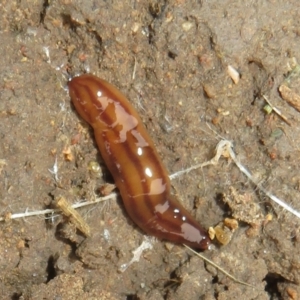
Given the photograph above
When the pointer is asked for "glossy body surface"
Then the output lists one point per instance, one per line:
(132, 159)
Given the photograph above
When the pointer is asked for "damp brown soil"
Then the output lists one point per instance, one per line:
(171, 59)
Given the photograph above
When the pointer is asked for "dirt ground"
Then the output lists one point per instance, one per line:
(171, 59)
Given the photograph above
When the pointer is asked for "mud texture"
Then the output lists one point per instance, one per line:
(171, 59)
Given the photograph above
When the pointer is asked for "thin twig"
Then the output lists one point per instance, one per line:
(224, 148)
(218, 267)
(277, 111)
(260, 187)
(55, 210)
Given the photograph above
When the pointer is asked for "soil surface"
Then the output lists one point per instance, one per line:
(171, 59)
